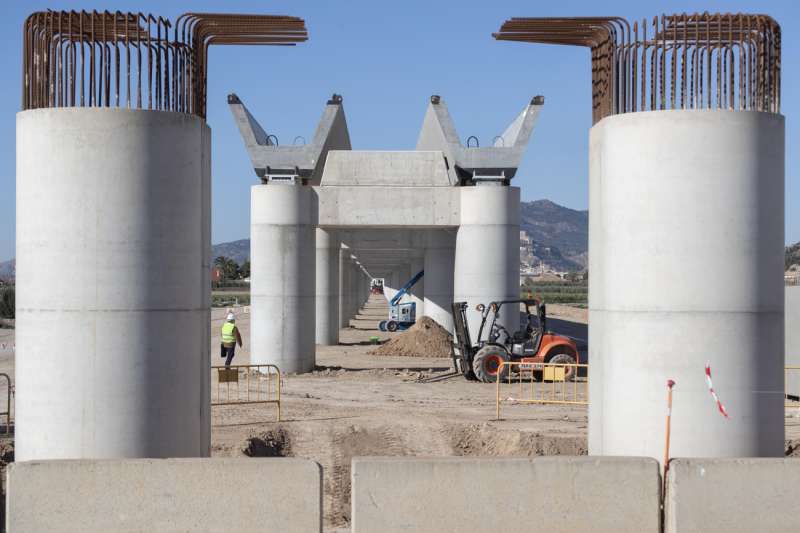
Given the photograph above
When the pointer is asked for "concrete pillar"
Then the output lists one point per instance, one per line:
(283, 277)
(597, 288)
(487, 252)
(439, 265)
(418, 291)
(113, 289)
(689, 214)
(344, 286)
(364, 288)
(327, 287)
(361, 292)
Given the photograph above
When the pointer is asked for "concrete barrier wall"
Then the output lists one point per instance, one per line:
(792, 329)
(732, 496)
(553, 494)
(165, 495)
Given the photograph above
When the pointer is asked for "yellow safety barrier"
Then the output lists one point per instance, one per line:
(791, 386)
(245, 384)
(543, 383)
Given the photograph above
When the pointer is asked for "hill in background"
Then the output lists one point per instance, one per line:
(560, 235)
(239, 250)
(560, 238)
(792, 258)
(8, 269)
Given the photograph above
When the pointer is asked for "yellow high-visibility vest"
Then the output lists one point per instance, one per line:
(227, 333)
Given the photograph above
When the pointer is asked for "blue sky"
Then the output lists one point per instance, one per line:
(386, 59)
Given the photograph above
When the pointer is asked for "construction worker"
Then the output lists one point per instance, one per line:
(230, 337)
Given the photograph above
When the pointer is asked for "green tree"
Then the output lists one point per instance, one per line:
(7, 305)
(228, 267)
(245, 270)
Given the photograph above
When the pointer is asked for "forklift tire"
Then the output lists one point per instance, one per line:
(487, 362)
(565, 359)
(391, 325)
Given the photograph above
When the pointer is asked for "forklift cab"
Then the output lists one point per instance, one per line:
(525, 341)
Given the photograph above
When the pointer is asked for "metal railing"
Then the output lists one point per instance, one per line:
(246, 384)
(542, 383)
(104, 59)
(7, 412)
(680, 61)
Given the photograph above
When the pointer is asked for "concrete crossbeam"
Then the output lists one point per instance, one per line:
(421, 207)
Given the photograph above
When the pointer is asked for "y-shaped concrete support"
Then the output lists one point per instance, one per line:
(304, 162)
(468, 164)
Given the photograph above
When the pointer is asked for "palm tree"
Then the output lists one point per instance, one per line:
(228, 268)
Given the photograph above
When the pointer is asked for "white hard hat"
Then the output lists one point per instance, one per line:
(230, 317)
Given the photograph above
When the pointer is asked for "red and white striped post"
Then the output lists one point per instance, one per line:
(670, 385)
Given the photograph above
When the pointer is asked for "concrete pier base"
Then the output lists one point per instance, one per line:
(687, 214)
(487, 252)
(439, 265)
(327, 287)
(113, 289)
(283, 277)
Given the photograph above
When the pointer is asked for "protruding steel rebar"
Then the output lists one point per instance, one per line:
(697, 61)
(106, 59)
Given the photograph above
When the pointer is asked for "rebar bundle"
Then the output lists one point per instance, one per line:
(93, 59)
(697, 61)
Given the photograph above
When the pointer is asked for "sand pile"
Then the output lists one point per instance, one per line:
(426, 338)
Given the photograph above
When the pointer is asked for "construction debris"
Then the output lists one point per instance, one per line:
(426, 338)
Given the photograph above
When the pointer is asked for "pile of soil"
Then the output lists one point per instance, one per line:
(426, 338)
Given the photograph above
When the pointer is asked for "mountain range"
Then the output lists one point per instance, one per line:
(560, 235)
(8, 269)
(560, 238)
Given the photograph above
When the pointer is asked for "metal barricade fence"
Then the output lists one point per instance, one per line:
(542, 383)
(791, 386)
(246, 384)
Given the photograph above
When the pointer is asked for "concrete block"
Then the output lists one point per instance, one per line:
(732, 495)
(165, 495)
(548, 494)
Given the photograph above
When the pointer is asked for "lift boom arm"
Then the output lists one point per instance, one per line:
(405, 288)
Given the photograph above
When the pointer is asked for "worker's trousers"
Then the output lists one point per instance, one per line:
(227, 352)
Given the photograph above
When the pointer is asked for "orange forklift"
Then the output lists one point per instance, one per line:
(532, 344)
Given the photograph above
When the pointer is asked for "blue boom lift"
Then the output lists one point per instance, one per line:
(401, 316)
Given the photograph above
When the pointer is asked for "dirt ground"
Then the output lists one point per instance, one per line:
(356, 404)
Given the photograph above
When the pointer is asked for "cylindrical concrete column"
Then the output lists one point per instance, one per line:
(440, 247)
(689, 215)
(487, 252)
(596, 292)
(362, 293)
(113, 291)
(327, 287)
(352, 297)
(283, 277)
(344, 286)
